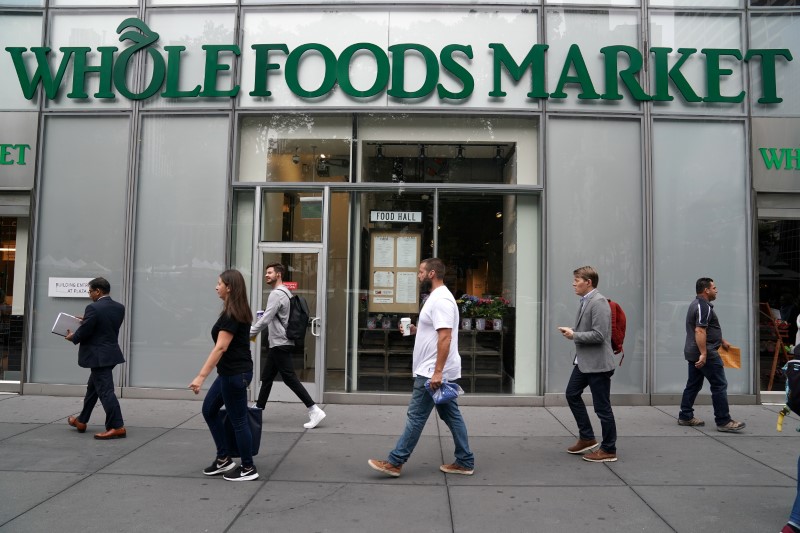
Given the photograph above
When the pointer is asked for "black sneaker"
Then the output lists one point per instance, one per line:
(218, 467)
(243, 473)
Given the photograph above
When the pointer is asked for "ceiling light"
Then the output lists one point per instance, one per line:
(422, 151)
(379, 155)
(296, 156)
(460, 154)
(498, 156)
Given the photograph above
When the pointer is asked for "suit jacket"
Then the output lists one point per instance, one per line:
(593, 336)
(98, 334)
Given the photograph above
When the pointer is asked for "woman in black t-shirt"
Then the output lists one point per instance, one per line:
(231, 357)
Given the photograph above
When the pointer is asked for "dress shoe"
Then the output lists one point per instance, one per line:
(77, 424)
(112, 434)
(582, 446)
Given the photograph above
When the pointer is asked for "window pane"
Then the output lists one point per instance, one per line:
(81, 174)
(180, 247)
(595, 218)
(700, 228)
(291, 216)
(17, 30)
(193, 30)
(776, 31)
(591, 31)
(94, 30)
(295, 148)
(596, 2)
(682, 30)
(492, 150)
(697, 3)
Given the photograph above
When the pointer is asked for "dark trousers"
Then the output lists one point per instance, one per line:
(714, 372)
(279, 361)
(600, 385)
(101, 386)
(230, 391)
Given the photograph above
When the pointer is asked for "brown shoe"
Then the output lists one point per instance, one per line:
(693, 422)
(385, 466)
(77, 424)
(600, 456)
(582, 446)
(731, 427)
(112, 434)
(456, 468)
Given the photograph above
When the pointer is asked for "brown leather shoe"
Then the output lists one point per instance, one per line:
(386, 467)
(112, 434)
(600, 456)
(77, 424)
(582, 446)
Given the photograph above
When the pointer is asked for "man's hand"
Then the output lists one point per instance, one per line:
(725, 344)
(68, 336)
(436, 380)
(567, 332)
(701, 362)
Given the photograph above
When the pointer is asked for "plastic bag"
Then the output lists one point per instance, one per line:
(445, 393)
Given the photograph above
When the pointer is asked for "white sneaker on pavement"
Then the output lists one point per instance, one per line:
(316, 417)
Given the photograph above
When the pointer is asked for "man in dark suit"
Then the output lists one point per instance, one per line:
(593, 368)
(99, 351)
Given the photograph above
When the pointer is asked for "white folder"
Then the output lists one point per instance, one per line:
(65, 322)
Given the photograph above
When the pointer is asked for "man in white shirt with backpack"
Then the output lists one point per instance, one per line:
(279, 357)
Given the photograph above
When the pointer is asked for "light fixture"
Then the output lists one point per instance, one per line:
(379, 155)
(498, 156)
(422, 151)
(460, 154)
(499, 214)
(296, 156)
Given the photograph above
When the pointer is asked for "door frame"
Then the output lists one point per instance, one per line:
(257, 285)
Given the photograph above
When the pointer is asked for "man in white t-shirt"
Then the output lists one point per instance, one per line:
(436, 358)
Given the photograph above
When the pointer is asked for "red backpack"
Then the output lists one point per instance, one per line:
(618, 323)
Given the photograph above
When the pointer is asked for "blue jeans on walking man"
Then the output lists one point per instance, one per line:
(419, 409)
(230, 391)
(714, 372)
(600, 385)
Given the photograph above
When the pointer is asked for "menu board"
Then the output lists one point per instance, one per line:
(394, 261)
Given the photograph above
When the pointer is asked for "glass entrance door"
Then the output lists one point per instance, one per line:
(303, 277)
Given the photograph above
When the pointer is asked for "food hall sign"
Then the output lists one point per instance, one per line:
(453, 60)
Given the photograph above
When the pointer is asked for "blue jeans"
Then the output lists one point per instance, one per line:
(714, 372)
(419, 409)
(794, 518)
(600, 385)
(230, 391)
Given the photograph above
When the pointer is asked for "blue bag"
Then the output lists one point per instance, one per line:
(255, 421)
(446, 393)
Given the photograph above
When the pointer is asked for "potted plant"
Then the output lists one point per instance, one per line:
(466, 306)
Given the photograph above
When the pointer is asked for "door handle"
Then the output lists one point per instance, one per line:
(315, 326)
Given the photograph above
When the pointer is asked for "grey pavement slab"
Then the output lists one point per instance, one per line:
(730, 509)
(759, 420)
(186, 452)
(138, 503)
(60, 448)
(343, 458)
(508, 421)
(630, 421)
(690, 461)
(42, 409)
(369, 420)
(347, 508)
(154, 413)
(528, 461)
(552, 510)
(774, 452)
(23, 491)
(9, 429)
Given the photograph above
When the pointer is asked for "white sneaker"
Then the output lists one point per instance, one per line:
(316, 417)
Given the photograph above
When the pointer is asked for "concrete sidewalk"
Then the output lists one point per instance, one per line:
(668, 478)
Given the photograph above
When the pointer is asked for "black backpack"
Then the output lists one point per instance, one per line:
(298, 321)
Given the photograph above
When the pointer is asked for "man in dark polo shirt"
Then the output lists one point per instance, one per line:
(703, 339)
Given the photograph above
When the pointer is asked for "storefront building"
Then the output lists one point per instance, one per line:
(157, 143)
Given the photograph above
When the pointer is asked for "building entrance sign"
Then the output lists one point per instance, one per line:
(453, 61)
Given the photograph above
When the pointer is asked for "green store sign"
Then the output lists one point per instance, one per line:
(781, 158)
(390, 73)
